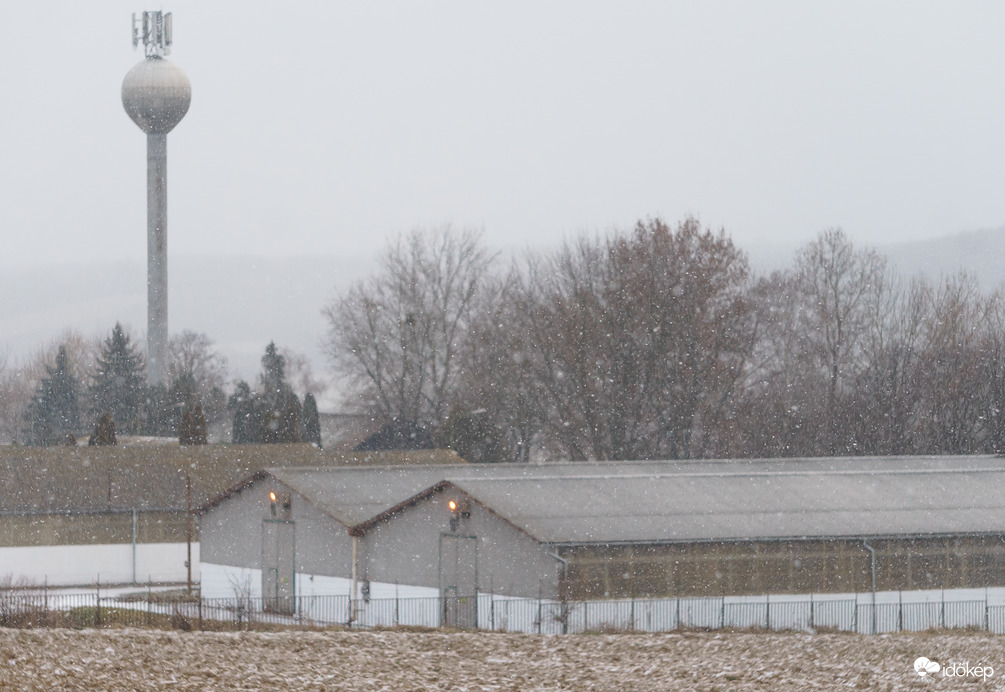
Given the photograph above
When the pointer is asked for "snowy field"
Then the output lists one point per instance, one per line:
(393, 660)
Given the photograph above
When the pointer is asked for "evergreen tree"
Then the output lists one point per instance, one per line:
(268, 427)
(164, 405)
(54, 412)
(273, 378)
(289, 422)
(38, 430)
(311, 421)
(247, 417)
(159, 412)
(192, 427)
(278, 420)
(271, 414)
(281, 424)
(117, 385)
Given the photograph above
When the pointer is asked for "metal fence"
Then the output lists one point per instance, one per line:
(26, 608)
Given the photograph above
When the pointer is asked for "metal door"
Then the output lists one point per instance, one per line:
(278, 550)
(459, 580)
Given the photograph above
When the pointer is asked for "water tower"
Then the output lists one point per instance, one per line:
(156, 95)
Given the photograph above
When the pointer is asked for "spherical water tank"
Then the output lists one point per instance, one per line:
(156, 95)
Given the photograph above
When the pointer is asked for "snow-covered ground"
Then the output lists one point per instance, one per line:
(157, 660)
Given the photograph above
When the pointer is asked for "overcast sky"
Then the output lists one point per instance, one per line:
(325, 127)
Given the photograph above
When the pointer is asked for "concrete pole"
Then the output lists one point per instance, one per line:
(157, 299)
(872, 554)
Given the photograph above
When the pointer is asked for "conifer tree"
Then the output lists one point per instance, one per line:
(117, 385)
(289, 421)
(273, 378)
(192, 426)
(54, 412)
(159, 412)
(311, 421)
(246, 415)
(268, 427)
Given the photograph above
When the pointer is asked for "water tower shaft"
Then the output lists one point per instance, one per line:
(156, 95)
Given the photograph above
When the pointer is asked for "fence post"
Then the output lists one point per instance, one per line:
(631, 616)
(722, 614)
(395, 602)
(200, 608)
(767, 612)
(678, 612)
(942, 613)
(811, 611)
(987, 619)
(97, 603)
(854, 618)
(900, 611)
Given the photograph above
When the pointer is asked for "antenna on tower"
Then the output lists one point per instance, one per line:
(155, 29)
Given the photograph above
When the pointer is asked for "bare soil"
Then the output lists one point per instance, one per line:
(133, 659)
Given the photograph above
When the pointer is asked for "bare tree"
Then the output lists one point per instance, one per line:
(839, 286)
(780, 410)
(192, 354)
(635, 343)
(396, 337)
(13, 400)
(951, 374)
(496, 395)
(300, 374)
(879, 415)
(197, 369)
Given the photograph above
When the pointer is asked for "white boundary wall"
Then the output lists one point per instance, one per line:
(70, 565)
(228, 581)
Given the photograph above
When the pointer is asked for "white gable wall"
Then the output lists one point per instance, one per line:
(231, 541)
(404, 547)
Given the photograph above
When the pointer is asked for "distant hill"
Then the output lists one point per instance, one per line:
(982, 253)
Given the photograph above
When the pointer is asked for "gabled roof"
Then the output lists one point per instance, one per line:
(595, 502)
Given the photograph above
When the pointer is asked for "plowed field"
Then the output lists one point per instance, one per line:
(124, 659)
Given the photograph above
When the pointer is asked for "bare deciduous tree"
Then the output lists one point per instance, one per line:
(951, 376)
(193, 362)
(396, 337)
(636, 343)
(840, 286)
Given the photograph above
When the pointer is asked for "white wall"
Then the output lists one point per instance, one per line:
(228, 581)
(69, 565)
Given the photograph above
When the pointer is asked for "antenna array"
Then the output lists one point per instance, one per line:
(155, 30)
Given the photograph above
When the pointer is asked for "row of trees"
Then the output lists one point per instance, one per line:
(113, 391)
(658, 343)
(273, 413)
(104, 388)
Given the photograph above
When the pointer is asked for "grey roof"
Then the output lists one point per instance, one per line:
(595, 502)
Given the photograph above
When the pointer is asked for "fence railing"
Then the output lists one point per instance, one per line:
(27, 608)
